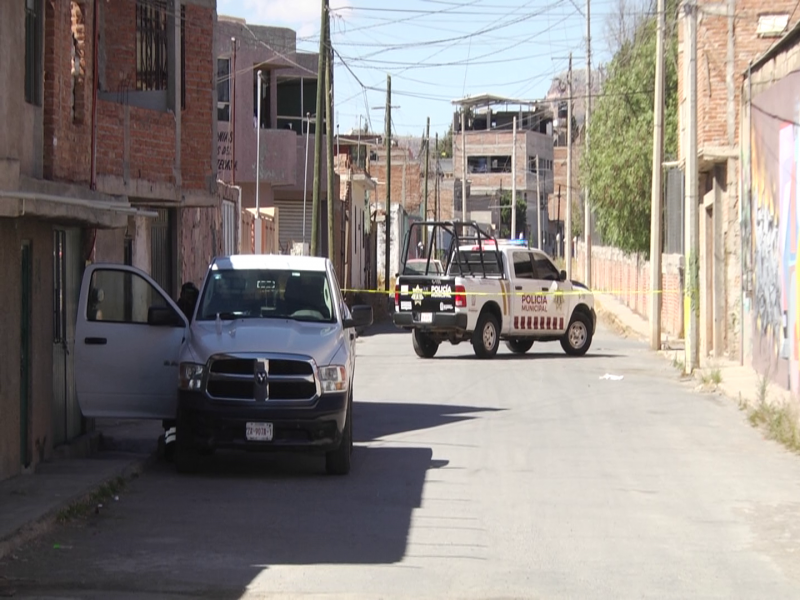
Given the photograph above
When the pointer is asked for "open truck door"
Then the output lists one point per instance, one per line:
(128, 339)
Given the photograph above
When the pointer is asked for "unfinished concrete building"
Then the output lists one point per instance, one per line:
(484, 126)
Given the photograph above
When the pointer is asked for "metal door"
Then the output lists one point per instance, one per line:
(26, 273)
(161, 250)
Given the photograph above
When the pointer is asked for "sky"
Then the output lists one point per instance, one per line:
(437, 51)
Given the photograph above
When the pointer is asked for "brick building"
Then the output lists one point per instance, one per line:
(407, 176)
(729, 36)
(97, 163)
(489, 151)
(288, 91)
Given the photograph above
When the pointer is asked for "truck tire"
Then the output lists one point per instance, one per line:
(186, 457)
(337, 462)
(486, 337)
(578, 337)
(424, 346)
(519, 346)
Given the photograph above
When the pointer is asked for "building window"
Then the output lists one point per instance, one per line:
(33, 52)
(78, 57)
(266, 99)
(152, 58)
(545, 164)
(223, 89)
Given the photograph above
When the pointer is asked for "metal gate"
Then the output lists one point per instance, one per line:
(228, 227)
(162, 263)
(290, 224)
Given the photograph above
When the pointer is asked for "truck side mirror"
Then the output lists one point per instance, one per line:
(563, 275)
(361, 316)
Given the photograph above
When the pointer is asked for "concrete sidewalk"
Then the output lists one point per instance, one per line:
(32, 504)
(739, 382)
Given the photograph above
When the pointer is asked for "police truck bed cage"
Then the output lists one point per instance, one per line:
(471, 251)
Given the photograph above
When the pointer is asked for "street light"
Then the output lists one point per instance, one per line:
(258, 166)
(305, 179)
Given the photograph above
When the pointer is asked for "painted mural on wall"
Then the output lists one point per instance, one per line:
(225, 160)
(772, 229)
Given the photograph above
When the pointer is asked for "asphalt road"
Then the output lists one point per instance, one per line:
(525, 477)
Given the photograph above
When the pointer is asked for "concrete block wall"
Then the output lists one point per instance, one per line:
(627, 278)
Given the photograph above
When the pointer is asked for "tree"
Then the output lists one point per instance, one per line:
(505, 215)
(445, 147)
(618, 167)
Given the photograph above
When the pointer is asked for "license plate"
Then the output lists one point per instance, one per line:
(259, 432)
(426, 318)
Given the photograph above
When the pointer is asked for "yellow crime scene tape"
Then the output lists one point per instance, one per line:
(578, 292)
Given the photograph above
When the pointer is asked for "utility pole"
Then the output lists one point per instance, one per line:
(514, 181)
(425, 199)
(587, 207)
(692, 284)
(436, 189)
(538, 204)
(464, 163)
(559, 249)
(318, 127)
(332, 195)
(568, 216)
(388, 219)
(655, 192)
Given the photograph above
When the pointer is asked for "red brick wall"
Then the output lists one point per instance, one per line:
(197, 139)
(408, 194)
(151, 139)
(627, 278)
(712, 53)
(152, 133)
(66, 110)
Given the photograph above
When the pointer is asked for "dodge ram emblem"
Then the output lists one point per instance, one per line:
(261, 388)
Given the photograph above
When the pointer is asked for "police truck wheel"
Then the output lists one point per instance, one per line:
(519, 346)
(486, 337)
(578, 338)
(424, 346)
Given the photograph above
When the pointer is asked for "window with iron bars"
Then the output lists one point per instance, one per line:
(152, 47)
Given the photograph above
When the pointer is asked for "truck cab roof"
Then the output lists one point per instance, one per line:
(269, 261)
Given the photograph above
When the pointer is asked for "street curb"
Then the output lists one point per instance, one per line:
(48, 521)
(613, 321)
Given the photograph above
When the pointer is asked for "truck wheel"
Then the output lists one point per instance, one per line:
(578, 338)
(185, 456)
(486, 337)
(424, 346)
(337, 462)
(519, 346)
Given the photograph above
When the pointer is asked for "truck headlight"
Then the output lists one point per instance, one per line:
(192, 376)
(333, 379)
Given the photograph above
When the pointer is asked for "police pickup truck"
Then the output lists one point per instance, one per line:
(490, 292)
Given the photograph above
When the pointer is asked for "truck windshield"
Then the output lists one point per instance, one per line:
(267, 293)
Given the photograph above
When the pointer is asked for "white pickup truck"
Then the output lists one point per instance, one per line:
(491, 292)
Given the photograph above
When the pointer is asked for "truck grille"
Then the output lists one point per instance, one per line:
(235, 378)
